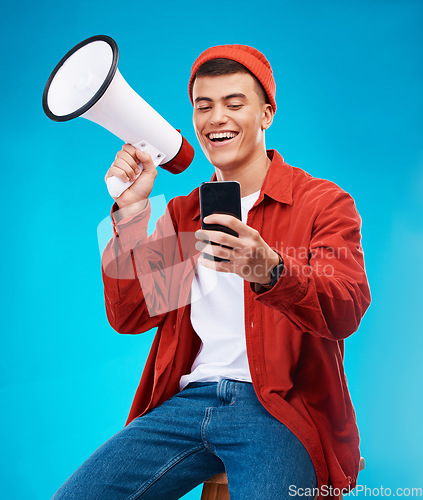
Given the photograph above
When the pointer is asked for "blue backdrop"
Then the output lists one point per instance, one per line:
(349, 91)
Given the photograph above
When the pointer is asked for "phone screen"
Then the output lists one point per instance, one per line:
(220, 197)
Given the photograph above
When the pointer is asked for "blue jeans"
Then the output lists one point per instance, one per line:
(207, 428)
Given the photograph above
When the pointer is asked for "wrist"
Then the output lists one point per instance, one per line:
(276, 269)
(129, 210)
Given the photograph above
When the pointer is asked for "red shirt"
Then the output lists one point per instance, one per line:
(294, 331)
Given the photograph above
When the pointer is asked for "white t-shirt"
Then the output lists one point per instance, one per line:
(217, 316)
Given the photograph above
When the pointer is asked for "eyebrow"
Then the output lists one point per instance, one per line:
(230, 96)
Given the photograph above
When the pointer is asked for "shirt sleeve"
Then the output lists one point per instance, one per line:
(138, 270)
(327, 295)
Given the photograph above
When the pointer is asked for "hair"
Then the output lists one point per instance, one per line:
(222, 66)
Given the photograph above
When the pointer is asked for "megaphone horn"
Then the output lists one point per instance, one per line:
(86, 82)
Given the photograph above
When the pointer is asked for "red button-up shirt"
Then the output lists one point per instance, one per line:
(294, 332)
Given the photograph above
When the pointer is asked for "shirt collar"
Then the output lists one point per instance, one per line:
(277, 183)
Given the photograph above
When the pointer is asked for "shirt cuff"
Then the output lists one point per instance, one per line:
(133, 229)
(290, 287)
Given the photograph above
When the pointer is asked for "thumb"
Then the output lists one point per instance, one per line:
(146, 160)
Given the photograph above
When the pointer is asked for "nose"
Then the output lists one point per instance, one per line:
(218, 115)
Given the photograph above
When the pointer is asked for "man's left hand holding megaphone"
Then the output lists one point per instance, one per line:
(87, 83)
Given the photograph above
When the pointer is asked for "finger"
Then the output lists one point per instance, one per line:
(201, 235)
(122, 165)
(218, 237)
(147, 162)
(116, 172)
(228, 221)
(200, 245)
(130, 160)
(130, 149)
(223, 267)
(214, 250)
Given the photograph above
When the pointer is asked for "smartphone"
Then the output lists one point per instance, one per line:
(220, 197)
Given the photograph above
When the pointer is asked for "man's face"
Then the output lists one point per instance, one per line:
(229, 118)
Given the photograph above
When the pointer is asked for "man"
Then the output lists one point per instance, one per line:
(245, 374)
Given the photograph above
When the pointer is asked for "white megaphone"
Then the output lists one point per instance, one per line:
(87, 83)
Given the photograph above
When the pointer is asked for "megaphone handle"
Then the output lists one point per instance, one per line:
(117, 186)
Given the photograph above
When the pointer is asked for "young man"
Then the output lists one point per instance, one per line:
(245, 374)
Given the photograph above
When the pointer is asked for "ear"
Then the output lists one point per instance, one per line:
(267, 116)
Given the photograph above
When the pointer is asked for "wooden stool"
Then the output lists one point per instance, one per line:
(216, 488)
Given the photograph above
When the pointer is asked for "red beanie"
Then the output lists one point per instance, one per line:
(249, 57)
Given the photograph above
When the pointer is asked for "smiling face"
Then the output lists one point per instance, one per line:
(230, 117)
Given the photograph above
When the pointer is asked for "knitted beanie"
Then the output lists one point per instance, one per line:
(249, 57)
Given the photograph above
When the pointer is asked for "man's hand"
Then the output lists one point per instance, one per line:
(250, 256)
(127, 165)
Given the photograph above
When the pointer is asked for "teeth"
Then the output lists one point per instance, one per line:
(222, 135)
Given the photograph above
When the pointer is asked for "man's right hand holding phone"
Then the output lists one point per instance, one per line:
(247, 255)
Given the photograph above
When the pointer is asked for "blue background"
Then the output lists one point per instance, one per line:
(349, 92)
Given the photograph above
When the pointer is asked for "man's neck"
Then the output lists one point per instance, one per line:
(251, 176)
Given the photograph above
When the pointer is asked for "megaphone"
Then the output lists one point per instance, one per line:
(86, 82)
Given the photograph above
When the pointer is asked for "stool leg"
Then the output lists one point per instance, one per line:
(214, 491)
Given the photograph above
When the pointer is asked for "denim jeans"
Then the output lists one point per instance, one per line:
(207, 428)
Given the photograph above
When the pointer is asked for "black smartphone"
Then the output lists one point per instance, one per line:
(220, 197)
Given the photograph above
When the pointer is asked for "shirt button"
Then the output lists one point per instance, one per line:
(158, 366)
(252, 324)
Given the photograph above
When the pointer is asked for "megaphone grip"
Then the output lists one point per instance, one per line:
(117, 186)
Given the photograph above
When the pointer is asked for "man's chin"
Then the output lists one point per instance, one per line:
(223, 161)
